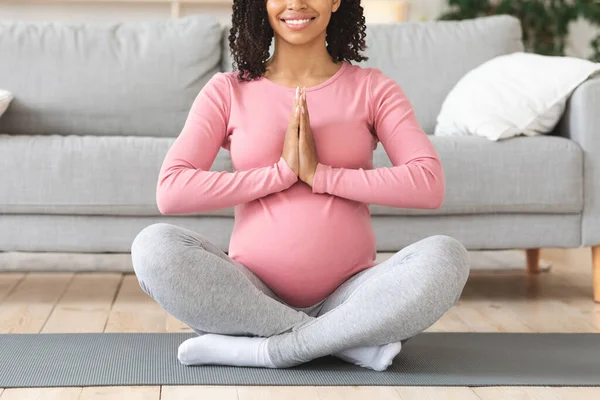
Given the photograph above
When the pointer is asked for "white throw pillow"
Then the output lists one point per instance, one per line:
(511, 95)
(5, 99)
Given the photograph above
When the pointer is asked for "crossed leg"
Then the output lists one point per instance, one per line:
(201, 286)
(388, 303)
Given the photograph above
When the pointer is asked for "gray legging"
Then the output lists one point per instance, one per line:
(201, 286)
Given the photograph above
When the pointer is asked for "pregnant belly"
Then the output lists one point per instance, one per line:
(303, 245)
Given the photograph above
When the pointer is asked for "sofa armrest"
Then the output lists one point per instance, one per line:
(581, 123)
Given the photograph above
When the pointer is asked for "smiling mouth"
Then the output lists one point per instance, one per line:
(297, 23)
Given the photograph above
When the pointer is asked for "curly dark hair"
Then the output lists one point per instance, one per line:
(251, 34)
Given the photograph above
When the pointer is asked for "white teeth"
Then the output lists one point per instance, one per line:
(297, 21)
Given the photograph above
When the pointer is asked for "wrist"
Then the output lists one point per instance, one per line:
(286, 172)
(317, 179)
(310, 179)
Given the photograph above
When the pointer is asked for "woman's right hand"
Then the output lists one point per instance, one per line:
(291, 144)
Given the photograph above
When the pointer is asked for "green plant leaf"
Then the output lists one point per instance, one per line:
(545, 22)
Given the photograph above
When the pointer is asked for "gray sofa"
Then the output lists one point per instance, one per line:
(97, 107)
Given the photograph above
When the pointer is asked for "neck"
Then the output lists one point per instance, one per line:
(299, 61)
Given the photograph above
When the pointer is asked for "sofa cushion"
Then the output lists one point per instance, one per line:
(111, 175)
(131, 78)
(428, 58)
(93, 175)
(541, 174)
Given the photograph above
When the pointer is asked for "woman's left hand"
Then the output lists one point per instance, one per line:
(308, 154)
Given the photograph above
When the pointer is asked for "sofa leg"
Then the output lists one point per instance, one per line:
(596, 269)
(533, 261)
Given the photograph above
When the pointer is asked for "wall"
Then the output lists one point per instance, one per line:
(581, 32)
(98, 11)
(88, 10)
(376, 11)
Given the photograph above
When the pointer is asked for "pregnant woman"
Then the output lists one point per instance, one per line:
(299, 280)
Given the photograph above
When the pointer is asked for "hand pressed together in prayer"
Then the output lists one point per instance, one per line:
(299, 147)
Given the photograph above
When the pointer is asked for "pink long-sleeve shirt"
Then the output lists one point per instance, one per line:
(302, 242)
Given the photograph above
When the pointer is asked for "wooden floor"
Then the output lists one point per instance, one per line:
(507, 301)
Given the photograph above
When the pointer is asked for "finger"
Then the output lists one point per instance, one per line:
(301, 120)
(305, 120)
(300, 123)
(296, 120)
(304, 95)
(295, 108)
(307, 132)
(299, 107)
(305, 105)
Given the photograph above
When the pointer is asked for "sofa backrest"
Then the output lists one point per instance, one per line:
(141, 78)
(428, 58)
(134, 78)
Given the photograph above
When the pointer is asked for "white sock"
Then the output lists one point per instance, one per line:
(239, 351)
(377, 358)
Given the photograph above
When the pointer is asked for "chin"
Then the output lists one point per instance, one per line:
(298, 41)
(299, 38)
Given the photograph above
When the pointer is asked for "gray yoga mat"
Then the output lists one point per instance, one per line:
(429, 359)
